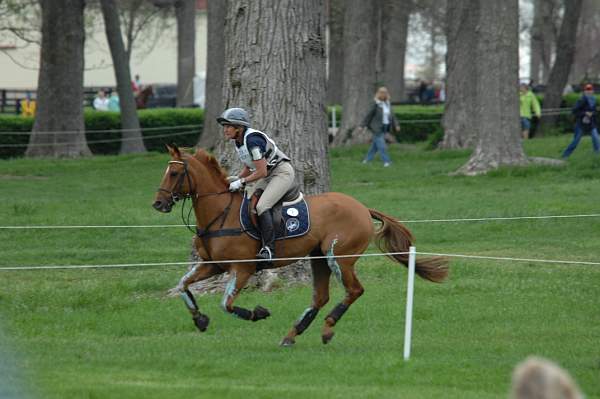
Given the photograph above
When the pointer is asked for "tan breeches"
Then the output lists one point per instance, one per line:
(275, 185)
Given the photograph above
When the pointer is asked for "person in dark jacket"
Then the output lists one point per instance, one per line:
(585, 116)
(380, 120)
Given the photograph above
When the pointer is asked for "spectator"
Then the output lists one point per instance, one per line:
(585, 120)
(28, 106)
(422, 91)
(379, 120)
(538, 378)
(101, 102)
(442, 95)
(136, 85)
(528, 102)
(429, 93)
(113, 102)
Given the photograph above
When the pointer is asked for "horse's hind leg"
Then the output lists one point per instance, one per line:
(197, 273)
(353, 291)
(321, 274)
(238, 280)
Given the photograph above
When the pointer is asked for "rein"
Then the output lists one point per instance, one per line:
(204, 234)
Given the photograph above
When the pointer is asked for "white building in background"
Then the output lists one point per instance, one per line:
(19, 62)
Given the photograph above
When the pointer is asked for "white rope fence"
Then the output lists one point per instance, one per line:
(410, 280)
(95, 131)
(103, 141)
(297, 258)
(215, 262)
(154, 226)
(438, 118)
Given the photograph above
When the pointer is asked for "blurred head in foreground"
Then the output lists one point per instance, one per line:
(538, 378)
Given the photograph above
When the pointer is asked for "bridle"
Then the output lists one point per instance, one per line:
(176, 195)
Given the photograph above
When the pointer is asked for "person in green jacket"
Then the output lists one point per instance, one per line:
(528, 103)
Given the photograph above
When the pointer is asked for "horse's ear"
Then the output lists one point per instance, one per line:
(173, 150)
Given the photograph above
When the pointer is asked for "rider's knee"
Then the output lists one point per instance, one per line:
(261, 208)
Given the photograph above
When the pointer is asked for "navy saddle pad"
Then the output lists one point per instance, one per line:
(295, 220)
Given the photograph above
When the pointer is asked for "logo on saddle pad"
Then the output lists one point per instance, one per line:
(293, 220)
(292, 224)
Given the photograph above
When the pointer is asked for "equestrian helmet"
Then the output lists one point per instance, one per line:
(234, 116)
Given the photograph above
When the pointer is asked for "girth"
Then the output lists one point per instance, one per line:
(205, 233)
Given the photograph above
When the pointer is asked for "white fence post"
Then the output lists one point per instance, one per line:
(412, 254)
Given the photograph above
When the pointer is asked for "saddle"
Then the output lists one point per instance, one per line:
(290, 215)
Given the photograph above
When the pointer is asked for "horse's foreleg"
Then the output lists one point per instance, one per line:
(237, 281)
(197, 273)
(321, 274)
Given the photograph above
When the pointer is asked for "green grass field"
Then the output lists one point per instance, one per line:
(115, 334)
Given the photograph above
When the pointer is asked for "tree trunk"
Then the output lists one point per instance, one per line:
(496, 115)
(565, 54)
(131, 135)
(215, 67)
(536, 43)
(185, 12)
(277, 73)
(394, 26)
(335, 58)
(587, 54)
(550, 12)
(462, 18)
(360, 46)
(60, 83)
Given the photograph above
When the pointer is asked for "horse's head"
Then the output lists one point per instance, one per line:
(176, 182)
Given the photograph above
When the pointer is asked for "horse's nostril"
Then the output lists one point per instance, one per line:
(157, 204)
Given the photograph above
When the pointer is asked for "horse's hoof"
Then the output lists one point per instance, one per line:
(327, 337)
(287, 342)
(201, 321)
(260, 313)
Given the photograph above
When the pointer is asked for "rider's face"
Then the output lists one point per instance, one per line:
(230, 131)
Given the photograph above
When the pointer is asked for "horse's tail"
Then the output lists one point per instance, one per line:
(393, 236)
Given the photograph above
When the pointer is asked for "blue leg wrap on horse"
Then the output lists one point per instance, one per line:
(337, 312)
(307, 317)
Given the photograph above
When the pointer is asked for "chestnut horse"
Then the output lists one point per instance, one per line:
(338, 223)
(142, 97)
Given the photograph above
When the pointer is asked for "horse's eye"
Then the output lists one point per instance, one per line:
(173, 174)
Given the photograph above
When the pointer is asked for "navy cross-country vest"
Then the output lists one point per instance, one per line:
(273, 154)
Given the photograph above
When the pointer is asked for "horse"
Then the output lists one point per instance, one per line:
(341, 227)
(142, 97)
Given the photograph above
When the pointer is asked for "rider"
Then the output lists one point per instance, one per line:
(266, 167)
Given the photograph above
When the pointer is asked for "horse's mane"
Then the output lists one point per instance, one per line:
(211, 163)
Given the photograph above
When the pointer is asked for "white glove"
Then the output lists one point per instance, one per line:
(232, 178)
(236, 185)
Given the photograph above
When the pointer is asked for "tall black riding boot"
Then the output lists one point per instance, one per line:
(265, 222)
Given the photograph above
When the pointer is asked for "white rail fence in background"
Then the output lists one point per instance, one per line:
(333, 124)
